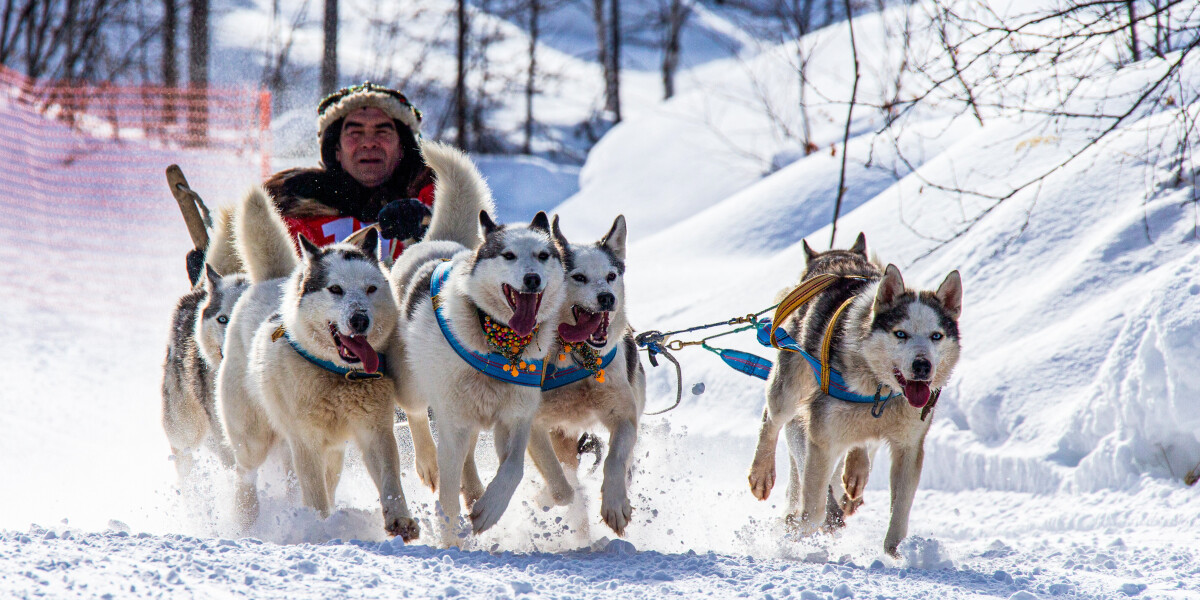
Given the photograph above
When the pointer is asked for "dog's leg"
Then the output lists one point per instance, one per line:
(472, 487)
(541, 450)
(854, 479)
(417, 411)
(819, 463)
(453, 444)
(511, 441)
(335, 458)
(906, 474)
(566, 448)
(797, 444)
(253, 440)
(781, 408)
(614, 498)
(310, 472)
(378, 446)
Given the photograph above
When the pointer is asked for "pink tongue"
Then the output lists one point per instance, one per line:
(917, 393)
(524, 313)
(584, 325)
(362, 350)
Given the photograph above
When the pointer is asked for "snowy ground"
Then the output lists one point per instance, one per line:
(1054, 467)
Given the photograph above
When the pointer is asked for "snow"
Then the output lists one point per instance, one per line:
(1054, 467)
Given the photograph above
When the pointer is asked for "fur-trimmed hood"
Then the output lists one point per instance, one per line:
(318, 192)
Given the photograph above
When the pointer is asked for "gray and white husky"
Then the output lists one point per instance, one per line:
(503, 279)
(189, 415)
(302, 363)
(592, 325)
(890, 338)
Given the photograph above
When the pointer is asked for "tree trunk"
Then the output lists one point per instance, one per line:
(460, 83)
(170, 67)
(329, 60)
(198, 70)
(613, 84)
(677, 15)
(602, 44)
(1133, 37)
(535, 7)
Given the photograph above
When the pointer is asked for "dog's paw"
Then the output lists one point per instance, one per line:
(562, 496)
(892, 550)
(850, 505)
(472, 491)
(762, 479)
(799, 525)
(405, 527)
(427, 471)
(486, 512)
(616, 513)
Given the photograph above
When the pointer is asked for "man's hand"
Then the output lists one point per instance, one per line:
(402, 219)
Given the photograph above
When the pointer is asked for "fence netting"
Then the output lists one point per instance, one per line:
(83, 199)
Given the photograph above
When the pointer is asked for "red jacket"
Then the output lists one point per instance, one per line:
(323, 230)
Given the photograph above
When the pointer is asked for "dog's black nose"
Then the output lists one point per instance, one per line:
(360, 322)
(921, 369)
(607, 301)
(532, 282)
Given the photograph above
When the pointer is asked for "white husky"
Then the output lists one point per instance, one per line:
(498, 301)
(302, 362)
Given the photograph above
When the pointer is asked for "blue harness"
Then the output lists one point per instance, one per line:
(543, 376)
(349, 374)
(837, 385)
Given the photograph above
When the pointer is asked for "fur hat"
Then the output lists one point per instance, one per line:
(347, 100)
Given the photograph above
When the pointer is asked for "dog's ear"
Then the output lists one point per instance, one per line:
(485, 221)
(950, 294)
(211, 278)
(860, 245)
(540, 221)
(307, 249)
(556, 234)
(614, 240)
(890, 288)
(809, 253)
(370, 243)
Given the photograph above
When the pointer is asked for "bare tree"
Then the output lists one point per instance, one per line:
(198, 67)
(460, 82)
(279, 45)
(674, 17)
(329, 59)
(612, 81)
(535, 10)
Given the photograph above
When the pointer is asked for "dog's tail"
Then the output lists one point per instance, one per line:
(221, 255)
(262, 238)
(459, 194)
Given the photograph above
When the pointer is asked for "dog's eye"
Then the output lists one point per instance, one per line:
(936, 336)
(222, 319)
(371, 289)
(611, 277)
(900, 333)
(336, 290)
(544, 256)
(508, 256)
(580, 277)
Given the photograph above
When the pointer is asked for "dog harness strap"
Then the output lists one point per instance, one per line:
(349, 374)
(803, 294)
(556, 378)
(827, 341)
(491, 364)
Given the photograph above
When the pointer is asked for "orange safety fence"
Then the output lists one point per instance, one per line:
(82, 177)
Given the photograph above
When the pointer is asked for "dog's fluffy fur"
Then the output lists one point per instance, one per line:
(498, 271)
(594, 313)
(336, 304)
(904, 339)
(198, 326)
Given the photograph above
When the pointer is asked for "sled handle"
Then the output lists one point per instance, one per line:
(190, 205)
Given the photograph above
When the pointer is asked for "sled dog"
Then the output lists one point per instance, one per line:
(194, 353)
(594, 338)
(302, 364)
(489, 295)
(890, 339)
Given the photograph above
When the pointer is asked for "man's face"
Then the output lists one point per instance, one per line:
(369, 146)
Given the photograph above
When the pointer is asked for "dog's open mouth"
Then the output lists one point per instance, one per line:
(590, 326)
(916, 392)
(525, 309)
(355, 349)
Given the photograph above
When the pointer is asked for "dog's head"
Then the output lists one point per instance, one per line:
(516, 274)
(834, 261)
(595, 272)
(339, 304)
(221, 294)
(913, 343)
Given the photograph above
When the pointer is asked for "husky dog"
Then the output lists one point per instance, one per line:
(302, 363)
(194, 353)
(592, 326)
(890, 338)
(499, 298)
